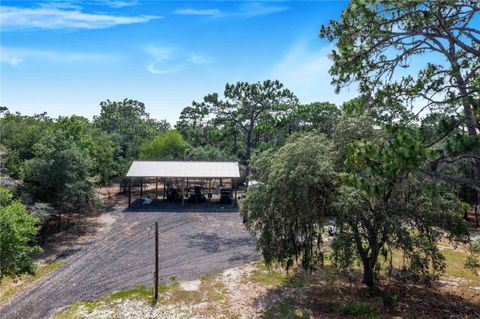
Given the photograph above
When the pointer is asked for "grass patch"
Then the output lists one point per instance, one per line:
(11, 286)
(267, 276)
(213, 288)
(455, 266)
(285, 311)
(455, 261)
(139, 293)
(276, 276)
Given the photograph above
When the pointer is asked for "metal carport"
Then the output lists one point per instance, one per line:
(183, 170)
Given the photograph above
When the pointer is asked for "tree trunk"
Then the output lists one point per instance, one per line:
(468, 108)
(248, 147)
(477, 222)
(368, 274)
(235, 147)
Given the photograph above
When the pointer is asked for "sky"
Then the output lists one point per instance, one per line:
(65, 57)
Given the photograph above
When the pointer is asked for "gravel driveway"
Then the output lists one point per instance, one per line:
(191, 244)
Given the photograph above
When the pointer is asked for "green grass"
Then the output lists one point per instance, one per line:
(11, 286)
(455, 265)
(276, 276)
(139, 293)
(287, 310)
(455, 261)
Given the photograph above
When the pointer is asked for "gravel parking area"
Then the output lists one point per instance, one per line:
(191, 245)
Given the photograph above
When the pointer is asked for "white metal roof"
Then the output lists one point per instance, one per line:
(183, 169)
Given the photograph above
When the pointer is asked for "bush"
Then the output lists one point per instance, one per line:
(18, 229)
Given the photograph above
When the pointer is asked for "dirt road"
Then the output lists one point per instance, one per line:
(191, 244)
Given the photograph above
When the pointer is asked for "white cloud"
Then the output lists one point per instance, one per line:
(155, 69)
(160, 53)
(168, 59)
(245, 10)
(14, 56)
(305, 72)
(198, 12)
(121, 4)
(257, 9)
(199, 59)
(56, 16)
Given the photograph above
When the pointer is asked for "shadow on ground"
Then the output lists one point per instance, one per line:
(176, 207)
(327, 295)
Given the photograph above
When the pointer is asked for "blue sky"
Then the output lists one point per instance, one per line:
(65, 57)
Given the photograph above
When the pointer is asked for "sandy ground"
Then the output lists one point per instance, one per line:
(191, 245)
(247, 292)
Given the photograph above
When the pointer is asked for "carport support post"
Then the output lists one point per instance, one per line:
(235, 182)
(156, 187)
(164, 187)
(155, 298)
(209, 193)
(129, 191)
(183, 189)
(141, 187)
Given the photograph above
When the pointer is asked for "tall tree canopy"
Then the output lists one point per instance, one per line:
(99, 145)
(60, 172)
(130, 125)
(288, 207)
(19, 133)
(386, 206)
(248, 108)
(376, 39)
(169, 146)
(194, 124)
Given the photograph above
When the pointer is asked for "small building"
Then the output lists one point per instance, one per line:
(185, 178)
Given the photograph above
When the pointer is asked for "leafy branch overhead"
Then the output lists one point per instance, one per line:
(376, 40)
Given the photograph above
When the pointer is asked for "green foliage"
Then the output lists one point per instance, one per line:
(473, 260)
(247, 111)
(129, 126)
(19, 133)
(99, 145)
(351, 128)
(193, 124)
(252, 117)
(205, 153)
(375, 40)
(6, 196)
(17, 232)
(318, 116)
(169, 146)
(288, 207)
(60, 172)
(387, 205)
(386, 161)
(409, 220)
